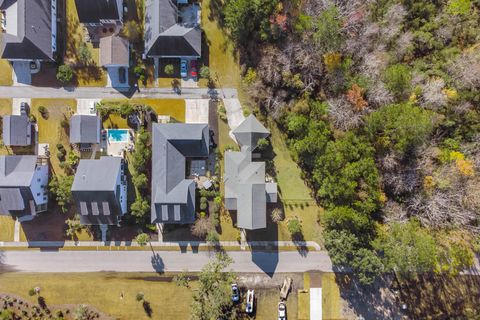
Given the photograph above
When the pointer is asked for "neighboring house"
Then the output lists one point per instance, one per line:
(245, 188)
(29, 30)
(174, 147)
(85, 129)
(115, 57)
(167, 37)
(23, 186)
(100, 191)
(94, 13)
(17, 131)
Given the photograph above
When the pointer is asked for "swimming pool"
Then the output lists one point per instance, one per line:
(118, 135)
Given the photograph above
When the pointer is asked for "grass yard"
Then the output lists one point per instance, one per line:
(115, 121)
(175, 108)
(5, 106)
(5, 73)
(303, 305)
(7, 226)
(331, 304)
(222, 57)
(50, 130)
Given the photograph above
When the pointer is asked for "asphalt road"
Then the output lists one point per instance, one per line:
(164, 261)
(103, 93)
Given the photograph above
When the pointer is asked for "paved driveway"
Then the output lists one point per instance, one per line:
(196, 110)
(234, 114)
(83, 105)
(16, 102)
(21, 73)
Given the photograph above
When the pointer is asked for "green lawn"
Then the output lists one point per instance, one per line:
(7, 225)
(5, 106)
(175, 108)
(114, 121)
(331, 305)
(5, 73)
(50, 130)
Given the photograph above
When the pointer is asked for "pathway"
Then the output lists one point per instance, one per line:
(101, 93)
(163, 261)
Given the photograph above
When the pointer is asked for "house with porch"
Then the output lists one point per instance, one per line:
(246, 190)
(99, 190)
(172, 30)
(28, 35)
(175, 147)
(85, 130)
(23, 186)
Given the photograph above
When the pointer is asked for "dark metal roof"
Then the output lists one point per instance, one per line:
(33, 39)
(92, 11)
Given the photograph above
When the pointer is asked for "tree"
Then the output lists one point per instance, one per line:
(142, 239)
(277, 215)
(367, 265)
(73, 226)
(212, 299)
(125, 109)
(294, 226)
(327, 30)
(341, 246)
(84, 53)
(60, 187)
(169, 70)
(355, 97)
(212, 236)
(408, 248)
(132, 31)
(201, 227)
(64, 73)
(139, 208)
(398, 79)
(346, 218)
(182, 279)
(205, 72)
(399, 126)
(140, 181)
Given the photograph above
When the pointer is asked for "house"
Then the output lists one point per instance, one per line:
(29, 30)
(175, 146)
(17, 130)
(85, 129)
(95, 13)
(99, 190)
(115, 57)
(23, 186)
(171, 32)
(246, 190)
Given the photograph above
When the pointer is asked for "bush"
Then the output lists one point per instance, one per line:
(263, 144)
(125, 110)
(169, 70)
(142, 239)
(31, 292)
(277, 215)
(205, 72)
(140, 296)
(64, 73)
(213, 236)
(398, 79)
(203, 206)
(203, 200)
(294, 226)
(65, 124)
(43, 112)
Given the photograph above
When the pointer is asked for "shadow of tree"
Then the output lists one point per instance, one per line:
(147, 308)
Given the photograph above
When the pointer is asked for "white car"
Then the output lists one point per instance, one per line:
(282, 311)
(250, 301)
(183, 68)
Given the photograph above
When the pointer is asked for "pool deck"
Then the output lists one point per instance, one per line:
(117, 148)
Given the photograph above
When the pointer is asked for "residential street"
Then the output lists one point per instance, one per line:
(102, 93)
(168, 261)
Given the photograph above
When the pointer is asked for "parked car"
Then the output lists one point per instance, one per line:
(23, 108)
(183, 68)
(235, 293)
(250, 301)
(193, 68)
(282, 311)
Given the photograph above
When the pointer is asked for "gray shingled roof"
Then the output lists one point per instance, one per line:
(85, 129)
(33, 39)
(114, 51)
(173, 196)
(92, 11)
(94, 190)
(245, 189)
(17, 130)
(16, 174)
(164, 36)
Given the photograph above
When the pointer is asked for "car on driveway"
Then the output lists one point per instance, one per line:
(282, 311)
(193, 68)
(235, 293)
(183, 68)
(250, 301)
(24, 108)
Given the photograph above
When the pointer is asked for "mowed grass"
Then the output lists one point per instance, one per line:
(115, 121)
(5, 73)
(5, 106)
(222, 56)
(175, 108)
(7, 225)
(102, 290)
(50, 130)
(294, 194)
(331, 305)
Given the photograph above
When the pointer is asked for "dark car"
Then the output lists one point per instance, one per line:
(193, 68)
(235, 293)
(24, 108)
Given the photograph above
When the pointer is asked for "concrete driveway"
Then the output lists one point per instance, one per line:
(21, 73)
(196, 110)
(84, 105)
(234, 114)
(16, 102)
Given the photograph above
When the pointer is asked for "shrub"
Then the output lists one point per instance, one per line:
(201, 227)
(64, 73)
(294, 226)
(398, 79)
(84, 53)
(205, 72)
(203, 200)
(213, 236)
(277, 215)
(142, 239)
(65, 124)
(203, 206)
(169, 70)
(125, 110)
(140, 296)
(31, 292)
(43, 112)
(263, 144)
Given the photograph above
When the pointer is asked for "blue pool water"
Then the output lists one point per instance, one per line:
(118, 135)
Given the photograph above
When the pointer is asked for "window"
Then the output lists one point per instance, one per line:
(38, 194)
